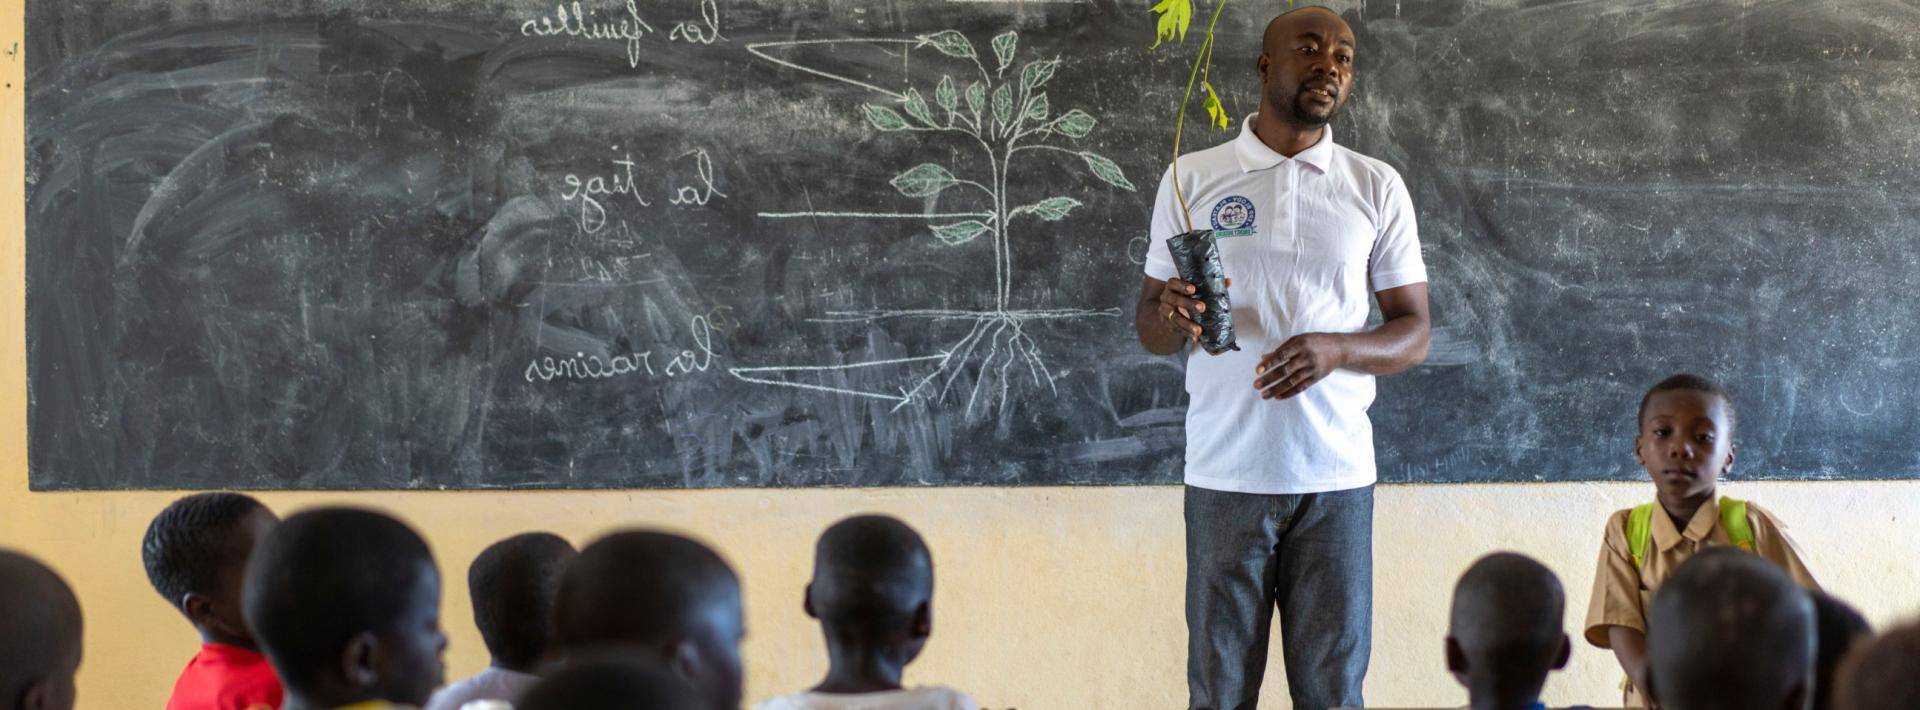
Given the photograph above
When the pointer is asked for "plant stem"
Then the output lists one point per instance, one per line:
(1180, 116)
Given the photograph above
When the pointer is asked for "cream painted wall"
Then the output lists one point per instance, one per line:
(1048, 598)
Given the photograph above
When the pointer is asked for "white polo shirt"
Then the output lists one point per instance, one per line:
(1307, 241)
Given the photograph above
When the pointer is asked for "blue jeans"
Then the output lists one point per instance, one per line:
(1310, 556)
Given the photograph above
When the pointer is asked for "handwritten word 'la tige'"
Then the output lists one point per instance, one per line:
(582, 366)
(594, 192)
(629, 27)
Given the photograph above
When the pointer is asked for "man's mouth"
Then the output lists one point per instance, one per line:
(1326, 92)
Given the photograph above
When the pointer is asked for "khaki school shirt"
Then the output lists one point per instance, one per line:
(1622, 593)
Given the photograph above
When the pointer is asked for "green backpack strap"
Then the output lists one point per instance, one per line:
(1733, 518)
(1639, 530)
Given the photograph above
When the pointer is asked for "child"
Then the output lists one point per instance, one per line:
(196, 556)
(1504, 634)
(346, 604)
(872, 591)
(667, 599)
(39, 636)
(1685, 443)
(1730, 631)
(1880, 673)
(613, 684)
(512, 584)
(1840, 629)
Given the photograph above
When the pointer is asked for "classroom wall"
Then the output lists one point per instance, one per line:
(1047, 597)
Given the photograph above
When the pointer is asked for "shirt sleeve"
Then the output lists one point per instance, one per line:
(1166, 223)
(1770, 541)
(1616, 587)
(1396, 257)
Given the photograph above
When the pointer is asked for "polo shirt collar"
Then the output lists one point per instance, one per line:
(1698, 528)
(1255, 155)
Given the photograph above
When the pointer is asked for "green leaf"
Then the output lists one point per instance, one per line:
(1037, 108)
(1175, 15)
(1003, 104)
(1106, 170)
(950, 43)
(923, 180)
(1003, 46)
(1036, 74)
(1052, 209)
(917, 107)
(1074, 124)
(1216, 112)
(976, 97)
(959, 232)
(884, 118)
(945, 95)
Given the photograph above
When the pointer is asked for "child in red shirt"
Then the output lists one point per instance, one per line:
(196, 554)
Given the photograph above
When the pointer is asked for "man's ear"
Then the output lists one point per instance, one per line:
(360, 661)
(806, 602)
(1262, 66)
(1456, 656)
(923, 620)
(1566, 653)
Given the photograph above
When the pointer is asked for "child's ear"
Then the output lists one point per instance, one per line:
(923, 620)
(1731, 450)
(198, 608)
(1456, 656)
(1637, 456)
(360, 660)
(38, 695)
(806, 602)
(683, 657)
(1566, 653)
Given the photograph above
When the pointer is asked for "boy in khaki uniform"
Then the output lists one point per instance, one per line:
(1685, 444)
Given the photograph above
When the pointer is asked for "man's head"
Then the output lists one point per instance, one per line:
(39, 636)
(346, 604)
(1306, 66)
(613, 683)
(1879, 674)
(1730, 630)
(196, 556)
(1506, 631)
(659, 597)
(873, 586)
(512, 584)
(1686, 436)
(1840, 628)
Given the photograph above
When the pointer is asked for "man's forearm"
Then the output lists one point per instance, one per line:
(1395, 346)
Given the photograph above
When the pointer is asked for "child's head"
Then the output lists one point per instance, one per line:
(196, 556)
(1880, 673)
(1840, 628)
(1506, 631)
(346, 604)
(1728, 629)
(39, 636)
(512, 584)
(873, 587)
(613, 683)
(661, 597)
(1686, 436)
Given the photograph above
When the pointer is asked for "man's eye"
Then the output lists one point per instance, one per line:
(1307, 50)
(1346, 59)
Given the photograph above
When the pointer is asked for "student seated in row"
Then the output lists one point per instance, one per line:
(658, 598)
(613, 683)
(872, 591)
(1882, 673)
(195, 552)
(345, 603)
(39, 636)
(512, 584)
(1505, 632)
(1685, 443)
(1730, 631)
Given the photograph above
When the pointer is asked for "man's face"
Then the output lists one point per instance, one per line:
(1306, 67)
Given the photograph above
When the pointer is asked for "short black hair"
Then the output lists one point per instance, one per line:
(512, 584)
(612, 683)
(638, 588)
(1729, 629)
(1879, 674)
(1689, 382)
(40, 625)
(322, 577)
(1841, 627)
(190, 543)
(1508, 603)
(870, 571)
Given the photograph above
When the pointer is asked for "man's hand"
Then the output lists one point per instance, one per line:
(1298, 363)
(1168, 314)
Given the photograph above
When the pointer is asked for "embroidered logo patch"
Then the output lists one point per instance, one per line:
(1233, 217)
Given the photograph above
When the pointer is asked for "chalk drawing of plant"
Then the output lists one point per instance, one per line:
(1006, 115)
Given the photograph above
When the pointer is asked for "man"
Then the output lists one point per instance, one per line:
(1279, 462)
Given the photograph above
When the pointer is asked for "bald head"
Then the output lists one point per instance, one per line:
(39, 636)
(1730, 630)
(1880, 673)
(1505, 633)
(1287, 24)
(871, 573)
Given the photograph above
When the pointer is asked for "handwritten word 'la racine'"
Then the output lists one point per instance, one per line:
(593, 367)
(593, 192)
(569, 20)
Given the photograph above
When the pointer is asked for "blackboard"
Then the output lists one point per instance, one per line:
(685, 243)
